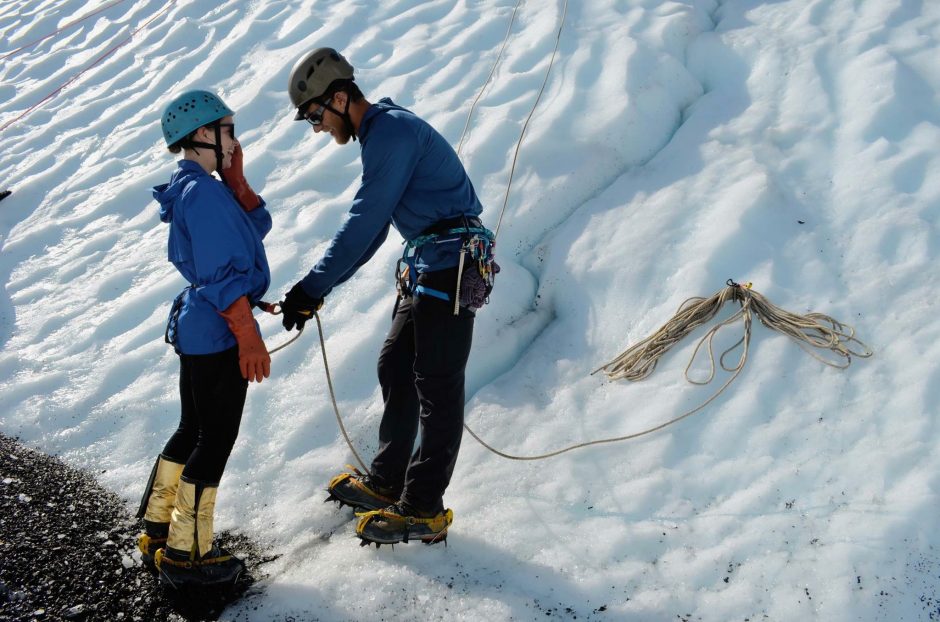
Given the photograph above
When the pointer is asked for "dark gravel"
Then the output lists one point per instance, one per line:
(68, 550)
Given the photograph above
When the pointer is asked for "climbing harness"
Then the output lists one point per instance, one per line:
(172, 322)
(476, 270)
(476, 283)
(170, 335)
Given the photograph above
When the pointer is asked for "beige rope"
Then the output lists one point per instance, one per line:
(637, 362)
(515, 157)
(329, 382)
(288, 342)
(488, 78)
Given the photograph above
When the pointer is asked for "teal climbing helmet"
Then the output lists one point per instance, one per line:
(190, 111)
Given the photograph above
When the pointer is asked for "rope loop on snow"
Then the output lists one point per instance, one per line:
(816, 330)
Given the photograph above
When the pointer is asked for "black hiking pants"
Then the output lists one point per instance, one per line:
(212, 395)
(421, 372)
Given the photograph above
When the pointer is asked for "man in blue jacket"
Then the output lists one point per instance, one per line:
(411, 180)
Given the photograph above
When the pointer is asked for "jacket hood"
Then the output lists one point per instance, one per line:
(167, 194)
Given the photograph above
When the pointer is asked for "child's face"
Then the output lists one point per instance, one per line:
(228, 140)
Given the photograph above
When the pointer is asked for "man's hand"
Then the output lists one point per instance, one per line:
(298, 307)
(234, 178)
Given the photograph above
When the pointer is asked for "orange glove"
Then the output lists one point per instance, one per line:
(234, 177)
(253, 357)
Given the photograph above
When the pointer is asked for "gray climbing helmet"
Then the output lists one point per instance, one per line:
(190, 111)
(312, 76)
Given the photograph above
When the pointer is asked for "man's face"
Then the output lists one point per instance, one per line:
(331, 122)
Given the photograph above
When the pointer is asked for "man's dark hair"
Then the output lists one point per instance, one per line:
(347, 86)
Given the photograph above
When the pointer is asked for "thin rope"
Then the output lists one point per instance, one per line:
(87, 67)
(525, 126)
(637, 362)
(561, 25)
(329, 382)
(817, 330)
(288, 342)
(60, 29)
(488, 78)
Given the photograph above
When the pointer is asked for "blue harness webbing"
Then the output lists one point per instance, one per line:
(412, 286)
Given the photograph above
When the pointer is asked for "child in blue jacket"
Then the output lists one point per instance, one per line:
(215, 241)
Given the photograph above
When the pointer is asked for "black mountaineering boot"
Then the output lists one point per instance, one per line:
(190, 559)
(152, 540)
(359, 491)
(401, 523)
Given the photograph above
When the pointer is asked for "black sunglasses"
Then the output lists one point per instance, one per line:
(231, 127)
(315, 118)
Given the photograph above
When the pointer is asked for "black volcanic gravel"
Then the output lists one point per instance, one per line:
(68, 550)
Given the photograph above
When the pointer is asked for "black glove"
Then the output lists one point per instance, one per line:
(298, 307)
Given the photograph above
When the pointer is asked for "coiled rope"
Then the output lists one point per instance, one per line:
(813, 330)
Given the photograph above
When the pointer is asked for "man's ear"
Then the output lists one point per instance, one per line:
(340, 97)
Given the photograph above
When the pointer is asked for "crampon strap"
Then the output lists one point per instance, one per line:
(161, 558)
(408, 522)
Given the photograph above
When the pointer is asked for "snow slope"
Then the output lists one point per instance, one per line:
(794, 144)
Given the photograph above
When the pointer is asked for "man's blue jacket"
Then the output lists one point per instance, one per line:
(411, 179)
(217, 247)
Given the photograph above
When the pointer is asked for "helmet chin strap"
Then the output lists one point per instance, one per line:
(348, 120)
(344, 115)
(217, 147)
